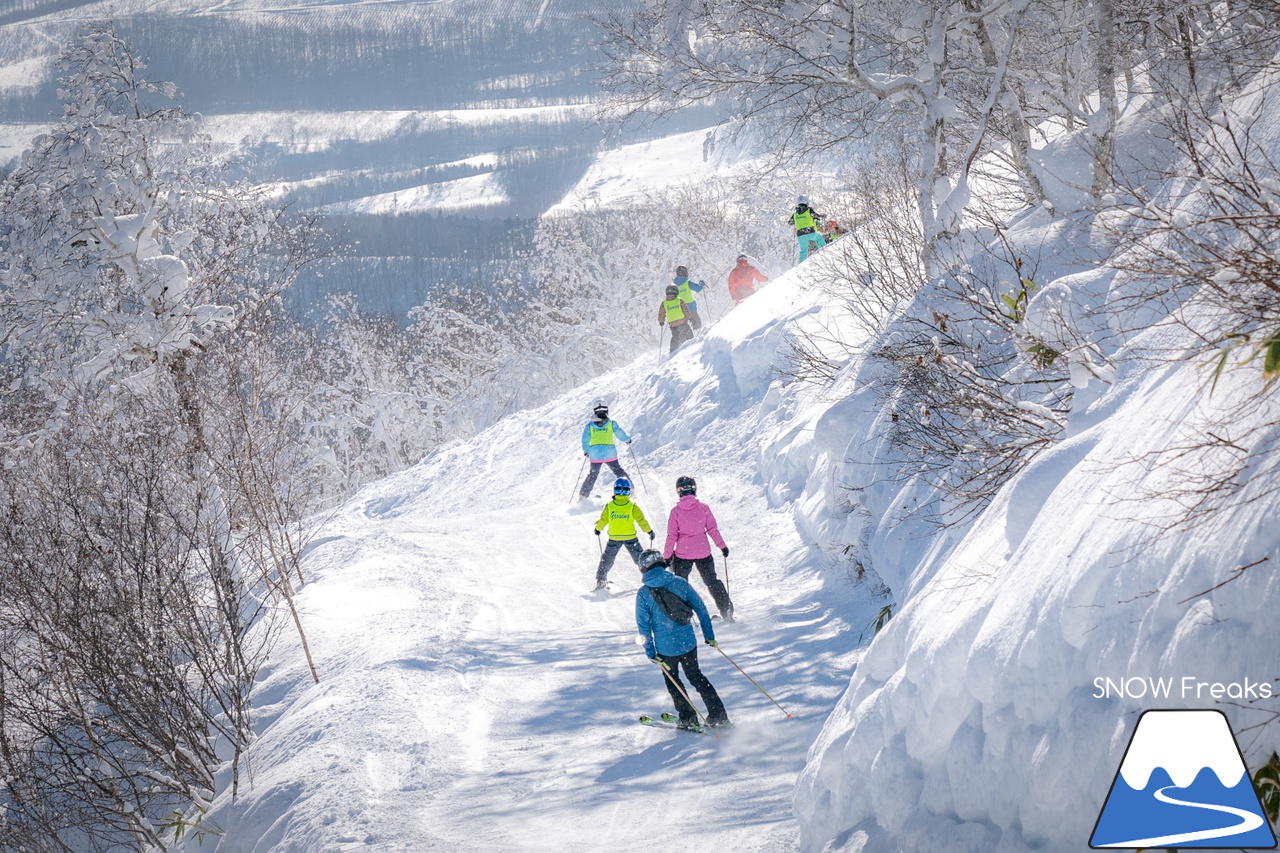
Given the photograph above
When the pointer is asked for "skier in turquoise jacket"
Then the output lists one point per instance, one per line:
(599, 445)
(805, 221)
(674, 645)
(687, 288)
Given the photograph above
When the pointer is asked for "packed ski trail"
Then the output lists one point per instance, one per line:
(475, 694)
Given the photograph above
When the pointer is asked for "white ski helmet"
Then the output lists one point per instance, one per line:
(600, 408)
(804, 199)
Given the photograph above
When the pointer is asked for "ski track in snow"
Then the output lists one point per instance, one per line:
(476, 696)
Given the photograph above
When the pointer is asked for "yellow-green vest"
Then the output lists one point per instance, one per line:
(622, 519)
(675, 309)
(803, 220)
(601, 434)
(686, 292)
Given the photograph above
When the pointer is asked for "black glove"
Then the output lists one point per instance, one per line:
(597, 532)
(651, 536)
(725, 550)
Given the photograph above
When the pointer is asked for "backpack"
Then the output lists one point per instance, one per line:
(677, 609)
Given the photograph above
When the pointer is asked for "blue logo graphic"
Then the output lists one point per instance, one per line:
(1182, 783)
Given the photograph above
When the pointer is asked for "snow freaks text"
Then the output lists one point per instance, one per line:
(1187, 687)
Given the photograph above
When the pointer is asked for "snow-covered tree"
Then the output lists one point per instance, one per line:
(146, 485)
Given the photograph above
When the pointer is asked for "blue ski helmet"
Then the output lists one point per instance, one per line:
(652, 560)
(622, 486)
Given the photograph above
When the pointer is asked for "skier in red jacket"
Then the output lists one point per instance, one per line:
(742, 279)
(688, 526)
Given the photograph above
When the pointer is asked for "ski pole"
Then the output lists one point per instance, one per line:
(667, 672)
(662, 331)
(753, 681)
(726, 574)
(635, 463)
(578, 479)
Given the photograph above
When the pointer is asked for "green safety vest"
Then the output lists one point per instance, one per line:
(675, 309)
(686, 292)
(601, 434)
(621, 519)
(804, 220)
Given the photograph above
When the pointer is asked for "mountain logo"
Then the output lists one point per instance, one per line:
(1182, 783)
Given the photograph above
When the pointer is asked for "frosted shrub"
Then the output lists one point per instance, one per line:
(971, 398)
(1199, 254)
(148, 474)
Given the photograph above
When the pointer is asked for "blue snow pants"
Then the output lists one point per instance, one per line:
(809, 242)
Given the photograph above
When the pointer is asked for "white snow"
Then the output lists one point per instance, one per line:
(631, 171)
(25, 75)
(484, 190)
(312, 130)
(476, 697)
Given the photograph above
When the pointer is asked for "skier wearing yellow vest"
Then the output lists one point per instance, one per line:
(621, 516)
(599, 445)
(678, 314)
(805, 221)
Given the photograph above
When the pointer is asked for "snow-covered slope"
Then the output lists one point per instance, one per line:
(1129, 567)
(975, 722)
(475, 694)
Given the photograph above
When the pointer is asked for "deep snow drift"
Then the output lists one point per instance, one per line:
(981, 718)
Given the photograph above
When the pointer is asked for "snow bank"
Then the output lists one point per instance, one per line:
(975, 715)
(981, 718)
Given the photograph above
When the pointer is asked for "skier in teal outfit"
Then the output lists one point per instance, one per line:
(805, 221)
(687, 288)
(599, 445)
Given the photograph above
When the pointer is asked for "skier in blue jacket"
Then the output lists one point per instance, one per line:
(599, 445)
(687, 288)
(674, 645)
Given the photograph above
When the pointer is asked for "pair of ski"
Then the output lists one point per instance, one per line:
(670, 721)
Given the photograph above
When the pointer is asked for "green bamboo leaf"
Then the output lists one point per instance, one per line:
(1267, 783)
(1271, 365)
(1222, 365)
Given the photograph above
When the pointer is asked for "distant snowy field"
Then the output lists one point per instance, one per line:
(312, 131)
(622, 176)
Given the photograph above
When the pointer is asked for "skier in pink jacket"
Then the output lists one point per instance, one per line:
(688, 526)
